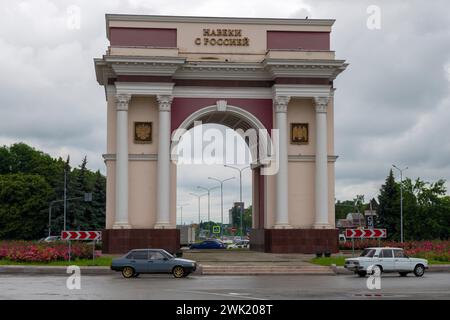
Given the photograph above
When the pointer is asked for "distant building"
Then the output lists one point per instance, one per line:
(234, 214)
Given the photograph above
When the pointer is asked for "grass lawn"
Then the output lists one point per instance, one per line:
(101, 261)
(339, 261)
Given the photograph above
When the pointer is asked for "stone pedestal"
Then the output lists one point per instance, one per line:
(120, 241)
(294, 240)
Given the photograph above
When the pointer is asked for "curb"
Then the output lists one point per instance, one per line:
(263, 270)
(17, 269)
(431, 268)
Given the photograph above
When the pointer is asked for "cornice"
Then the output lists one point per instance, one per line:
(304, 68)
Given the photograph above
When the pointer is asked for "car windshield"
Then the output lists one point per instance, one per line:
(368, 253)
(167, 254)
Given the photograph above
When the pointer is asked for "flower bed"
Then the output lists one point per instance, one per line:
(431, 250)
(28, 251)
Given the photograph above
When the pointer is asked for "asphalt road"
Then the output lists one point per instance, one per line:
(431, 286)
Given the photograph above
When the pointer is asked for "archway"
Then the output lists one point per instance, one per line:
(245, 130)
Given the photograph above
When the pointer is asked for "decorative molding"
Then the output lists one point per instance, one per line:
(280, 103)
(164, 102)
(304, 68)
(144, 88)
(221, 105)
(221, 92)
(301, 91)
(122, 101)
(144, 66)
(321, 104)
(309, 158)
(221, 70)
(132, 157)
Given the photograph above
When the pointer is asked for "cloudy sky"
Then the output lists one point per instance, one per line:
(392, 103)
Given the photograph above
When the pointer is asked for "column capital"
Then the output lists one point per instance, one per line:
(321, 104)
(164, 102)
(122, 101)
(280, 103)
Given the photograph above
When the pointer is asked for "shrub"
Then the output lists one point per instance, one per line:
(431, 250)
(28, 251)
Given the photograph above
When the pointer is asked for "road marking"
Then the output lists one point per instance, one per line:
(231, 294)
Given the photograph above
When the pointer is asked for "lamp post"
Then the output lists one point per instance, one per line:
(181, 215)
(221, 201)
(240, 192)
(208, 192)
(87, 198)
(198, 198)
(401, 200)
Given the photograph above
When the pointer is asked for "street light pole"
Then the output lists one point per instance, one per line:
(208, 191)
(221, 201)
(65, 197)
(87, 198)
(181, 215)
(198, 198)
(240, 192)
(401, 200)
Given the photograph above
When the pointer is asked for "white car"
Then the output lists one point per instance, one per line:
(243, 244)
(387, 260)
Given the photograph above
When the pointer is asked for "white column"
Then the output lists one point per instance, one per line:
(282, 196)
(163, 187)
(121, 221)
(321, 219)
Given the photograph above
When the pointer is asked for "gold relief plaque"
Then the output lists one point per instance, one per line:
(299, 133)
(142, 132)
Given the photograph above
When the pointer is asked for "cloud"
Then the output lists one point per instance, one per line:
(392, 103)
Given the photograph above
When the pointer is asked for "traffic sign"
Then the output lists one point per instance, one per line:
(216, 229)
(81, 235)
(365, 233)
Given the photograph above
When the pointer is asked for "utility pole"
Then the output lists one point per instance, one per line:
(401, 200)
(221, 201)
(240, 193)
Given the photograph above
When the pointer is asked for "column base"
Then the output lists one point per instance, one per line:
(282, 226)
(322, 226)
(120, 241)
(294, 240)
(121, 225)
(163, 225)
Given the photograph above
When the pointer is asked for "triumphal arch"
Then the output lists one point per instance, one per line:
(163, 73)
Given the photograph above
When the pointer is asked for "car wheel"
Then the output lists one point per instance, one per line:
(362, 274)
(178, 272)
(419, 270)
(128, 272)
(403, 274)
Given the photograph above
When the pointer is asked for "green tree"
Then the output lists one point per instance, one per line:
(98, 202)
(24, 200)
(389, 207)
